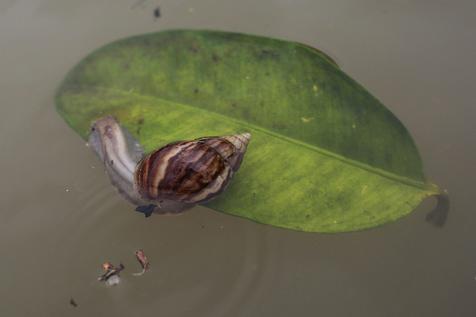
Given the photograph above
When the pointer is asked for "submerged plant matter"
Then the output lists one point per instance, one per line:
(326, 155)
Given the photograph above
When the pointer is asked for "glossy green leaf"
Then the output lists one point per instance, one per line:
(326, 156)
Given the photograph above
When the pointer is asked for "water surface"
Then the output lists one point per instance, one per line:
(60, 218)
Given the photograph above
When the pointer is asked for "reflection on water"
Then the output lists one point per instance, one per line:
(60, 219)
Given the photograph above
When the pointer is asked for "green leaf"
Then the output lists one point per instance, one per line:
(325, 156)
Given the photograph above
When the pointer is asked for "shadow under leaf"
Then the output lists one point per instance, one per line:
(439, 214)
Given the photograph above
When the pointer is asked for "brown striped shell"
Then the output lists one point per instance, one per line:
(190, 172)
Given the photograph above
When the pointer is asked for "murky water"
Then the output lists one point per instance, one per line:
(60, 218)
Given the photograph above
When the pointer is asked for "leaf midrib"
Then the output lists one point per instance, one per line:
(429, 187)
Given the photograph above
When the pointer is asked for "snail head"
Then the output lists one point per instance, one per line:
(120, 153)
(105, 134)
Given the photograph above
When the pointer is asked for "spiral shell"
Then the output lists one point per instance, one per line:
(190, 172)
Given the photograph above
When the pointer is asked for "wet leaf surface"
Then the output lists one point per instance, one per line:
(325, 156)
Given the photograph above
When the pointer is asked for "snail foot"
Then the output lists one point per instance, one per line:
(147, 210)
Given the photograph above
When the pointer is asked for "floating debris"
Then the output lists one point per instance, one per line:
(113, 280)
(111, 274)
(73, 303)
(157, 13)
(144, 262)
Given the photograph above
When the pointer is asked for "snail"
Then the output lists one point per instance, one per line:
(172, 178)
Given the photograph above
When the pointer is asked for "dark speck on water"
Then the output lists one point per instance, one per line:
(73, 303)
(157, 12)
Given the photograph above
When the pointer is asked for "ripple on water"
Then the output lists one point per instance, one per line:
(202, 261)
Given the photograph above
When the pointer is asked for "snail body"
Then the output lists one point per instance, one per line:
(172, 178)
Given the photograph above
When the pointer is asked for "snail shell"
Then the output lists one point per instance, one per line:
(190, 171)
(175, 176)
